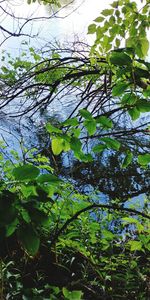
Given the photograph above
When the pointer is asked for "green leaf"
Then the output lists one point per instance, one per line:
(99, 19)
(25, 215)
(52, 129)
(144, 159)
(29, 239)
(99, 148)
(91, 28)
(129, 99)
(119, 89)
(146, 93)
(143, 105)
(10, 229)
(107, 12)
(107, 234)
(76, 132)
(75, 144)
(127, 160)
(134, 113)
(48, 178)
(73, 295)
(135, 245)
(90, 126)
(57, 145)
(28, 190)
(105, 122)
(115, 4)
(85, 114)
(26, 172)
(144, 46)
(111, 143)
(120, 59)
(72, 122)
(84, 157)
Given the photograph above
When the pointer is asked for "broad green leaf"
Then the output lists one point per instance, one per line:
(75, 144)
(48, 178)
(57, 145)
(144, 159)
(10, 229)
(90, 125)
(85, 114)
(72, 122)
(28, 190)
(52, 129)
(146, 93)
(25, 215)
(107, 234)
(127, 160)
(107, 12)
(134, 113)
(99, 148)
(114, 4)
(144, 46)
(99, 19)
(105, 122)
(85, 157)
(120, 59)
(76, 132)
(143, 105)
(26, 172)
(29, 239)
(119, 89)
(111, 143)
(129, 99)
(72, 295)
(135, 245)
(91, 28)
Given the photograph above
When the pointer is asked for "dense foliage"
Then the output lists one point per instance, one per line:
(55, 241)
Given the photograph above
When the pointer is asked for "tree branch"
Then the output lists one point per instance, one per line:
(96, 206)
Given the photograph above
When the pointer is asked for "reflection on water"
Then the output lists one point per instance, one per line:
(105, 174)
(72, 20)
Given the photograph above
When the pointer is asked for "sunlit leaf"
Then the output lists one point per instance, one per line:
(144, 159)
(135, 245)
(57, 146)
(91, 28)
(107, 12)
(90, 125)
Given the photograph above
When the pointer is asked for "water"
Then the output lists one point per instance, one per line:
(71, 24)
